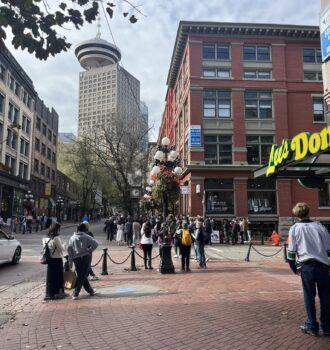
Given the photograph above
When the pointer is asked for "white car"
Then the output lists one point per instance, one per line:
(10, 248)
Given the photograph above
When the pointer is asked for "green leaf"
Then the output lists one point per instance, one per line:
(133, 19)
(110, 11)
(62, 6)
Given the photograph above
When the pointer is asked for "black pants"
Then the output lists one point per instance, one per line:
(110, 235)
(147, 249)
(177, 246)
(90, 270)
(185, 256)
(54, 279)
(82, 268)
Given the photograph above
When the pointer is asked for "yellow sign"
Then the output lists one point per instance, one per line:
(48, 189)
(299, 147)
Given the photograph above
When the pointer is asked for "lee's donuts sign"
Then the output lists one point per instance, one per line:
(299, 147)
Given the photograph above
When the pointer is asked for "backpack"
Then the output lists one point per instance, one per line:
(46, 256)
(206, 237)
(186, 237)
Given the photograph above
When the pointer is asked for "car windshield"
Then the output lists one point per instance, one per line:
(3, 235)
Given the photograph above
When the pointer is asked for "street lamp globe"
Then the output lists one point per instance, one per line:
(178, 170)
(173, 154)
(155, 170)
(166, 141)
(151, 182)
(148, 188)
(159, 155)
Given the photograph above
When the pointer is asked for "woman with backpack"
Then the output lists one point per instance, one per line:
(54, 280)
(186, 241)
(177, 240)
(147, 244)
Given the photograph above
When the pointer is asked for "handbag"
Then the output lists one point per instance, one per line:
(70, 279)
(46, 256)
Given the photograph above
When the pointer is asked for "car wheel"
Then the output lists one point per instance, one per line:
(17, 256)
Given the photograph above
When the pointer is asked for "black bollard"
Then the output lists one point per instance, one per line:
(133, 267)
(285, 254)
(66, 264)
(262, 238)
(248, 253)
(104, 262)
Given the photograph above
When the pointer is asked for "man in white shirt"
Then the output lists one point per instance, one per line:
(309, 255)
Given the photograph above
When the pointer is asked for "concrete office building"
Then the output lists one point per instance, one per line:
(106, 90)
(234, 90)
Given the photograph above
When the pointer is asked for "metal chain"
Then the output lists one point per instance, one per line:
(142, 257)
(119, 263)
(267, 256)
(98, 261)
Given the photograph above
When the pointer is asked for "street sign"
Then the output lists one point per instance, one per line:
(325, 33)
(195, 136)
(184, 189)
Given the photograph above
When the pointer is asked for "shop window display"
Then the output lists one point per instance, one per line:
(219, 196)
(261, 196)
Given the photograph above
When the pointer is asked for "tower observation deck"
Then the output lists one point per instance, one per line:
(95, 53)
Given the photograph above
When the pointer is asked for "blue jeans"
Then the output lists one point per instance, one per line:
(315, 275)
(201, 254)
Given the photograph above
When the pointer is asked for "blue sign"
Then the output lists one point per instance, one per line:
(195, 136)
(325, 33)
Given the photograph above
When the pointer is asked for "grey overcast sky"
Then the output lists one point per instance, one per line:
(147, 47)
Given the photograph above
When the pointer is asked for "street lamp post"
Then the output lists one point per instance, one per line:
(60, 203)
(166, 160)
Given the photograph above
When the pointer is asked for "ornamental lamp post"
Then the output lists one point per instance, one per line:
(166, 160)
(28, 201)
(60, 203)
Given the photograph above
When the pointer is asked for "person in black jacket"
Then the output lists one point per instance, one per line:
(110, 229)
(200, 241)
(128, 228)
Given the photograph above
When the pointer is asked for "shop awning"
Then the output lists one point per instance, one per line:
(313, 169)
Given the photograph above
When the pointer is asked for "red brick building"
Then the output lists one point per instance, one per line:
(233, 90)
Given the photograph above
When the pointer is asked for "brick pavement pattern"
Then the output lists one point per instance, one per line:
(231, 305)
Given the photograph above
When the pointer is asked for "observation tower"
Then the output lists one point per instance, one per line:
(95, 53)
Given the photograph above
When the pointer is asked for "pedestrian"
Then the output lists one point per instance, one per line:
(29, 220)
(147, 244)
(235, 229)
(54, 279)
(129, 231)
(120, 231)
(308, 255)
(186, 242)
(14, 224)
(85, 218)
(110, 229)
(23, 224)
(226, 230)
(91, 274)
(38, 218)
(200, 244)
(79, 249)
(208, 229)
(136, 230)
(177, 240)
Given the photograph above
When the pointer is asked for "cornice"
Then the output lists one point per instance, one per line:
(186, 28)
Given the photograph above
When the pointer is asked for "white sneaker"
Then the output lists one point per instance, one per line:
(74, 297)
(93, 278)
(207, 259)
(93, 292)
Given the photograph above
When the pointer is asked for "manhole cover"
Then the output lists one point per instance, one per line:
(126, 291)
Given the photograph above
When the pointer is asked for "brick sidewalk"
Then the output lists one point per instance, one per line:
(231, 305)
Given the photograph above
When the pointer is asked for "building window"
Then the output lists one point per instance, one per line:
(43, 149)
(221, 73)
(54, 157)
(216, 52)
(312, 55)
(36, 165)
(2, 72)
(48, 172)
(218, 149)
(2, 103)
(49, 154)
(11, 164)
(26, 124)
(17, 89)
(261, 196)
(38, 123)
(54, 139)
(44, 129)
(49, 135)
(256, 53)
(318, 109)
(258, 105)
(22, 172)
(37, 145)
(217, 104)
(315, 76)
(11, 83)
(258, 149)
(257, 74)
(219, 196)
(53, 175)
(42, 169)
